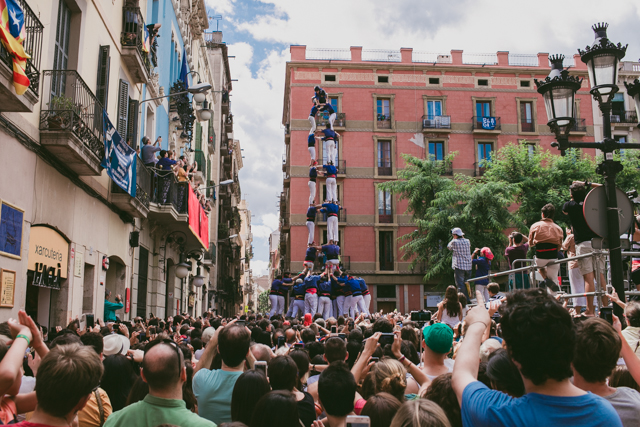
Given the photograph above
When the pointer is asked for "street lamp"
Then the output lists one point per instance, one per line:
(182, 270)
(602, 60)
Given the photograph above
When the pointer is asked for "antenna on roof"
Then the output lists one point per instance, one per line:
(218, 18)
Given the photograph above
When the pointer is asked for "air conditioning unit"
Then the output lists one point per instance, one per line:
(428, 123)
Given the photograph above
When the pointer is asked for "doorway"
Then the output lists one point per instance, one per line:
(143, 269)
(88, 288)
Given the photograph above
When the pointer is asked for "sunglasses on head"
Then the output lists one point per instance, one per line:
(171, 344)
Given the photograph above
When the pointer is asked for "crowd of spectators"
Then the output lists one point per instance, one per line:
(532, 364)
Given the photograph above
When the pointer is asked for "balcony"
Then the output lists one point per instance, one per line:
(527, 125)
(285, 223)
(478, 170)
(286, 176)
(322, 119)
(624, 117)
(287, 132)
(385, 217)
(486, 124)
(342, 216)
(225, 147)
(436, 123)
(580, 126)
(385, 170)
(133, 49)
(9, 100)
(225, 104)
(384, 122)
(341, 165)
(228, 124)
(71, 122)
(137, 207)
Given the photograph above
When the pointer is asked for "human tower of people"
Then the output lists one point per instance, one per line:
(332, 291)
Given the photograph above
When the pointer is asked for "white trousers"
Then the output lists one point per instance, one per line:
(312, 152)
(290, 309)
(311, 226)
(332, 190)
(347, 305)
(280, 304)
(483, 290)
(367, 302)
(273, 299)
(334, 308)
(332, 228)
(331, 150)
(552, 270)
(576, 280)
(324, 307)
(356, 302)
(312, 192)
(298, 307)
(332, 118)
(362, 306)
(340, 300)
(312, 120)
(310, 303)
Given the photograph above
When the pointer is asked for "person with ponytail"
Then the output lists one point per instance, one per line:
(388, 376)
(450, 309)
(483, 268)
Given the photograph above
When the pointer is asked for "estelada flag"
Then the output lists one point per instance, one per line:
(12, 34)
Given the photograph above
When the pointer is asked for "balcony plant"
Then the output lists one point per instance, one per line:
(58, 107)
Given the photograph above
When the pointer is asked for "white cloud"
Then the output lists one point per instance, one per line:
(259, 267)
(221, 6)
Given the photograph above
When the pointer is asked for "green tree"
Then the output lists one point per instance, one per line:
(263, 302)
(439, 204)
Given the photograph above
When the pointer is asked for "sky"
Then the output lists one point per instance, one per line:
(259, 34)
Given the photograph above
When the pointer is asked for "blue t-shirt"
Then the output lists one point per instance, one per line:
(165, 163)
(311, 254)
(313, 174)
(324, 287)
(363, 285)
(354, 285)
(329, 134)
(482, 406)
(311, 282)
(332, 251)
(331, 208)
(483, 266)
(331, 169)
(311, 140)
(311, 214)
(276, 285)
(213, 391)
(299, 289)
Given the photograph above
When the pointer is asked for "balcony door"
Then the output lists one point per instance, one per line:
(385, 250)
(61, 48)
(434, 109)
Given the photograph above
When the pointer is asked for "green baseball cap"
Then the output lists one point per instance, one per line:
(438, 337)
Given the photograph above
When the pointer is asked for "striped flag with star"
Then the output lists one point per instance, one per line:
(12, 34)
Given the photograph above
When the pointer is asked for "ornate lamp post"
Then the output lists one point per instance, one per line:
(602, 59)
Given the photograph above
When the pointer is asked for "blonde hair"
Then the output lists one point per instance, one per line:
(390, 377)
(420, 413)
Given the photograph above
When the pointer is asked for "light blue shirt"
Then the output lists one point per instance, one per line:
(213, 390)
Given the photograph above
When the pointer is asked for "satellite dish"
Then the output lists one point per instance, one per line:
(595, 211)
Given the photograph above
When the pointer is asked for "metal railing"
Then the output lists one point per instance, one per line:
(431, 57)
(143, 184)
(527, 125)
(381, 55)
(436, 122)
(480, 58)
(486, 123)
(168, 191)
(341, 165)
(32, 45)
(385, 218)
(385, 170)
(579, 126)
(624, 117)
(328, 54)
(70, 106)
(384, 122)
(322, 118)
(523, 60)
(342, 216)
(479, 170)
(133, 32)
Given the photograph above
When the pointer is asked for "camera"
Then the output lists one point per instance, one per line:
(386, 338)
(421, 316)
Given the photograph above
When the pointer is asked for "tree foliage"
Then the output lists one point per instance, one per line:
(263, 302)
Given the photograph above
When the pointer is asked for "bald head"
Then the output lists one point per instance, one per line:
(261, 352)
(290, 334)
(163, 367)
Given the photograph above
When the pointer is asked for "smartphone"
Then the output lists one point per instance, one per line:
(609, 289)
(142, 337)
(90, 320)
(334, 329)
(358, 421)
(261, 366)
(241, 323)
(343, 336)
(386, 338)
(374, 359)
(281, 341)
(299, 346)
(606, 313)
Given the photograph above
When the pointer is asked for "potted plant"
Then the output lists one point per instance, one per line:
(58, 106)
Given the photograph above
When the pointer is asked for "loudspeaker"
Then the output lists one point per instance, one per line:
(134, 239)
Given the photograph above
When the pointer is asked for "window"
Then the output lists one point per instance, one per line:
(483, 109)
(132, 123)
(324, 193)
(484, 155)
(483, 82)
(434, 80)
(383, 79)
(384, 158)
(102, 87)
(329, 77)
(617, 108)
(383, 113)
(333, 100)
(525, 83)
(386, 291)
(385, 242)
(436, 150)
(198, 136)
(434, 109)
(61, 48)
(340, 239)
(385, 214)
(621, 139)
(526, 117)
(123, 108)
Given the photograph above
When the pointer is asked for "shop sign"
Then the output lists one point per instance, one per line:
(7, 287)
(11, 230)
(48, 257)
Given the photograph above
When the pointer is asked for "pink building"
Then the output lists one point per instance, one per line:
(395, 102)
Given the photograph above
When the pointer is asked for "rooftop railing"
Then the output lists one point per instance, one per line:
(379, 55)
(328, 54)
(523, 60)
(480, 58)
(431, 57)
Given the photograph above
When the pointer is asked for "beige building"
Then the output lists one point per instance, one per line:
(68, 232)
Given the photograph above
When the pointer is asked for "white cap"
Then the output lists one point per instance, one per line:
(457, 232)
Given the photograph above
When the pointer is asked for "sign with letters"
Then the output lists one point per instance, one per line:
(7, 287)
(11, 230)
(488, 123)
(119, 158)
(48, 257)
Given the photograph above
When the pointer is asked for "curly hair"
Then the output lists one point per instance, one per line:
(537, 329)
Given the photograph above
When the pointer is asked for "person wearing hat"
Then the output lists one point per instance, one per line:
(438, 341)
(482, 263)
(116, 343)
(461, 260)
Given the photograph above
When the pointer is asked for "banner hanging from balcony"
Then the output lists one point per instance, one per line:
(488, 123)
(119, 158)
(12, 34)
(198, 219)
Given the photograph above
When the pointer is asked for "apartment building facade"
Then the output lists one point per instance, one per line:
(390, 103)
(68, 232)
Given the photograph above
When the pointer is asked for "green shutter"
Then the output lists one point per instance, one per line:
(198, 136)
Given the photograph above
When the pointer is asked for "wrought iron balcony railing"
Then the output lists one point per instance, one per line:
(69, 105)
(133, 33)
(384, 122)
(32, 45)
(624, 117)
(168, 191)
(579, 126)
(322, 119)
(486, 123)
(436, 122)
(527, 125)
(144, 181)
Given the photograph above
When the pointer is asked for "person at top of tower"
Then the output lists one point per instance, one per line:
(320, 103)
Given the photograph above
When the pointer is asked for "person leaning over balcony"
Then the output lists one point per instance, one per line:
(461, 259)
(148, 151)
(547, 237)
(111, 307)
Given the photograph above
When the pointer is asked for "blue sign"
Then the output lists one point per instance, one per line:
(10, 230)
(488, 123)
(119, 158)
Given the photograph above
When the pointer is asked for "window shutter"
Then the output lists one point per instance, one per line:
(123, 108)
(198, 136)
(132, 122)
(212, 137)
(102, 87)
